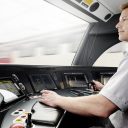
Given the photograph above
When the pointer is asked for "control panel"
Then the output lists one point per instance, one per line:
(20, 92)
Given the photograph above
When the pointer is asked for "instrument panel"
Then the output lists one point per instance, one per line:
(21, 86)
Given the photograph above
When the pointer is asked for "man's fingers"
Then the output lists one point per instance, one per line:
(45, 91)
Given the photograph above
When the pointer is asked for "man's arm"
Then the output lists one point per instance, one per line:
(94, 105)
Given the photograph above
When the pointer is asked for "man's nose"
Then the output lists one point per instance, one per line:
(118, 25)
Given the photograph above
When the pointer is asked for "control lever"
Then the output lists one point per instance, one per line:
(29, 121)
(15, 77)
(21, 86)
(93, 85)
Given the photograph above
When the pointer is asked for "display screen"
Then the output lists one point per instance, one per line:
(105, 79)
(76, 79)
(9, 86)
(42, 81)
(9, 89)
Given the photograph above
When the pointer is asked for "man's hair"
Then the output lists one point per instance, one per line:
(124, 6)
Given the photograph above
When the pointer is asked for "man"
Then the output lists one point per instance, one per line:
(112, 99)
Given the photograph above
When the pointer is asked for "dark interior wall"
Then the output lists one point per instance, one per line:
(99, 37)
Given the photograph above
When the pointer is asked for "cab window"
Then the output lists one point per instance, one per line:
(38, 33)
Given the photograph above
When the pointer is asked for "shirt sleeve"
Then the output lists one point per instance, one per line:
(116, 90)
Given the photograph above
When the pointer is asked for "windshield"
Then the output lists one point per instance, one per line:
(35, 32)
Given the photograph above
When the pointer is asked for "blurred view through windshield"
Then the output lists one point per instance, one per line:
(36, 32)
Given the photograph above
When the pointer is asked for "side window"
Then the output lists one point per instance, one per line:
(112, 56)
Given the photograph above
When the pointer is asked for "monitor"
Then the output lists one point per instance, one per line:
(9, 89)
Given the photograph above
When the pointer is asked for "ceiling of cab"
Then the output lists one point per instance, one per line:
(113, 5)
(91, 10)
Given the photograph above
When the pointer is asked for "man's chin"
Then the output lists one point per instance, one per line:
(121, 38)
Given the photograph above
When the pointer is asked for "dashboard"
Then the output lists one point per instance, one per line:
(21, 85)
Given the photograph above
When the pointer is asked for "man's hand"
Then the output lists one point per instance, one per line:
(97, 85)
(50, 98)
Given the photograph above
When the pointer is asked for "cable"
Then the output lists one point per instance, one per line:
(32, 108)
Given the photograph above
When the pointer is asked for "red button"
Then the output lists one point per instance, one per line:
(17, 126)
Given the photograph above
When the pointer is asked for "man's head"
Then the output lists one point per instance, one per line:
(122, 25)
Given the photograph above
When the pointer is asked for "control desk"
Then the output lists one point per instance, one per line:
(20, 88)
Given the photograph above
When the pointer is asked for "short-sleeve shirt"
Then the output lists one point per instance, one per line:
(116, 90)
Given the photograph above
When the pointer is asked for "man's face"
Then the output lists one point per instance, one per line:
(122, 26)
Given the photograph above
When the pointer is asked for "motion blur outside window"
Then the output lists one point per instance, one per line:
(34, 32)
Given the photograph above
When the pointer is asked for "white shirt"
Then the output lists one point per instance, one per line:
(116, 90)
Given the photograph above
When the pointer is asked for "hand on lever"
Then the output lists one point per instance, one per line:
(97, 86)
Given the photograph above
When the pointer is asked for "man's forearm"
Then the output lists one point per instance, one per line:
(87, 105)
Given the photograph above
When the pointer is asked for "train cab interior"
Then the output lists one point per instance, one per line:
(59, 45)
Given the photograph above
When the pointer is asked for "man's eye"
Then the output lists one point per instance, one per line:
(124, 19)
